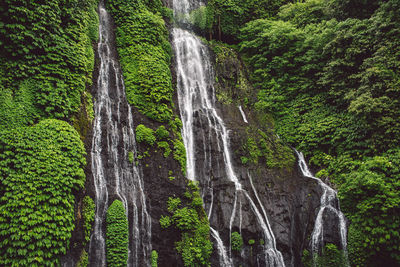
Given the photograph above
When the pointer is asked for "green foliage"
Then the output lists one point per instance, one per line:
(180, 154)
(330, 256)
(173, 204)
(145, 135)
(227, 17)
(83, 260)
(303, 13)
(162, 133)
(370, 197)
(165, 222)
(164, 145)
(266, 146)
(185, 218)
(236, 241)
(131, 156)
(195, 245)
(117, 235)
(331, 86)
(47, 47)
(252, 242)
(357, 253)
(40, 168)
(88, 211)
(145, 54)
(154, 258)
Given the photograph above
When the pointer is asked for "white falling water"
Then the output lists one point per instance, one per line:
(329, 201)
(243, 115)
(197, 98)
(114, 176)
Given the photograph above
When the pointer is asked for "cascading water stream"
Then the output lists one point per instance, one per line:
(197, 106)
(243, 115)
(115, 177)
(329, 201)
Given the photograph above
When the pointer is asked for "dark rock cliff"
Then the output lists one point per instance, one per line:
(290, 200)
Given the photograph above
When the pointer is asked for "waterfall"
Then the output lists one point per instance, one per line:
(204, 127)
(329, 201)
(114, 176)
(243, 115)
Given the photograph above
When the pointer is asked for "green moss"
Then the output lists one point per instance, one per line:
(165, 146)
(236, 241)
(267, 146)
(40, 167)
(162, 133)
(176, 126)
(83, 260)
(88, 211)
(180, 154)
(57, 57)
(131, 156)
(165, 221)
(173, 204)
(145, 135)
(195, 246)
(145, 53)
(154, 258)
(117, 235)
(330, 256)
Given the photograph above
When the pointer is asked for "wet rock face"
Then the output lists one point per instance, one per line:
(291, 201)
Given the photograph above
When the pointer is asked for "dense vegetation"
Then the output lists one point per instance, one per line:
(328, 71)
(117, 235)
(189, 217)
(46, 63)
(40, 167)
(330, 76)
(46, 58)
(145, 53)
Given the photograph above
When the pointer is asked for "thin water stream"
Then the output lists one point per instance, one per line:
(114, 176)
(329, 201)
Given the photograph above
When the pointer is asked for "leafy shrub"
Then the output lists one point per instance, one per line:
(162, 133)
(173, 204)
(331, 256)
(164, 145)
(236, 241)
(48, 45)
(144, 134)
(165, 221)
(154, 258)
(195, 245)
(40, 166)
(88, 211)
(371, 199)
(145, 53)
(131, 156)
(185, 218)
(83, 260)
(117, 235)
(180, 154)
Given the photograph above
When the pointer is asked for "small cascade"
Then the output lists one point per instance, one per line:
(204, 127)
(243, 115)
(115, 177)
(329, 201)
